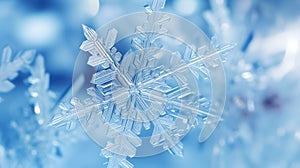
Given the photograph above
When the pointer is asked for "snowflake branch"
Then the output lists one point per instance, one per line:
(9, 67)
(93, 43)
(115, 160)
(191, 63)
(180, 105)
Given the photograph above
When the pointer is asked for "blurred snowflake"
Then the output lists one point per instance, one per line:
(28, 140)
(255, 96)
(10, 67)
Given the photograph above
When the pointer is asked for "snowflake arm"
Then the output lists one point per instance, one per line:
(209, 58)
(115, 160)
(40, 96)
(97, 48)
(9, 67)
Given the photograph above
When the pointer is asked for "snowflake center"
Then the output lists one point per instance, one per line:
(139, 100)
(133, 90)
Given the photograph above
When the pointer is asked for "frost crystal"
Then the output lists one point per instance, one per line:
(10, 67)
(35, 139)
(30, 140)
(144, 97)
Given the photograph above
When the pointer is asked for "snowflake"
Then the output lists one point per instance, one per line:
(246, 119)
(9, 67)
(29, 141)
(144, 96)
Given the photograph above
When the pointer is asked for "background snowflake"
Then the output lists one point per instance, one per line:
(28, 141)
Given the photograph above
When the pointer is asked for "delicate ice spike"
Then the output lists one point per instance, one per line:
(89, 33)
(6, 55)
(192, 62)
(158, 5)
(182, 106)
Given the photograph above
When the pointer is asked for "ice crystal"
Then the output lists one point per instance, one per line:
(30, 141)
(143, 101)
(35, 141)
(10, 67)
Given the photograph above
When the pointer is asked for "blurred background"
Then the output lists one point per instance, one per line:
(261, 126)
